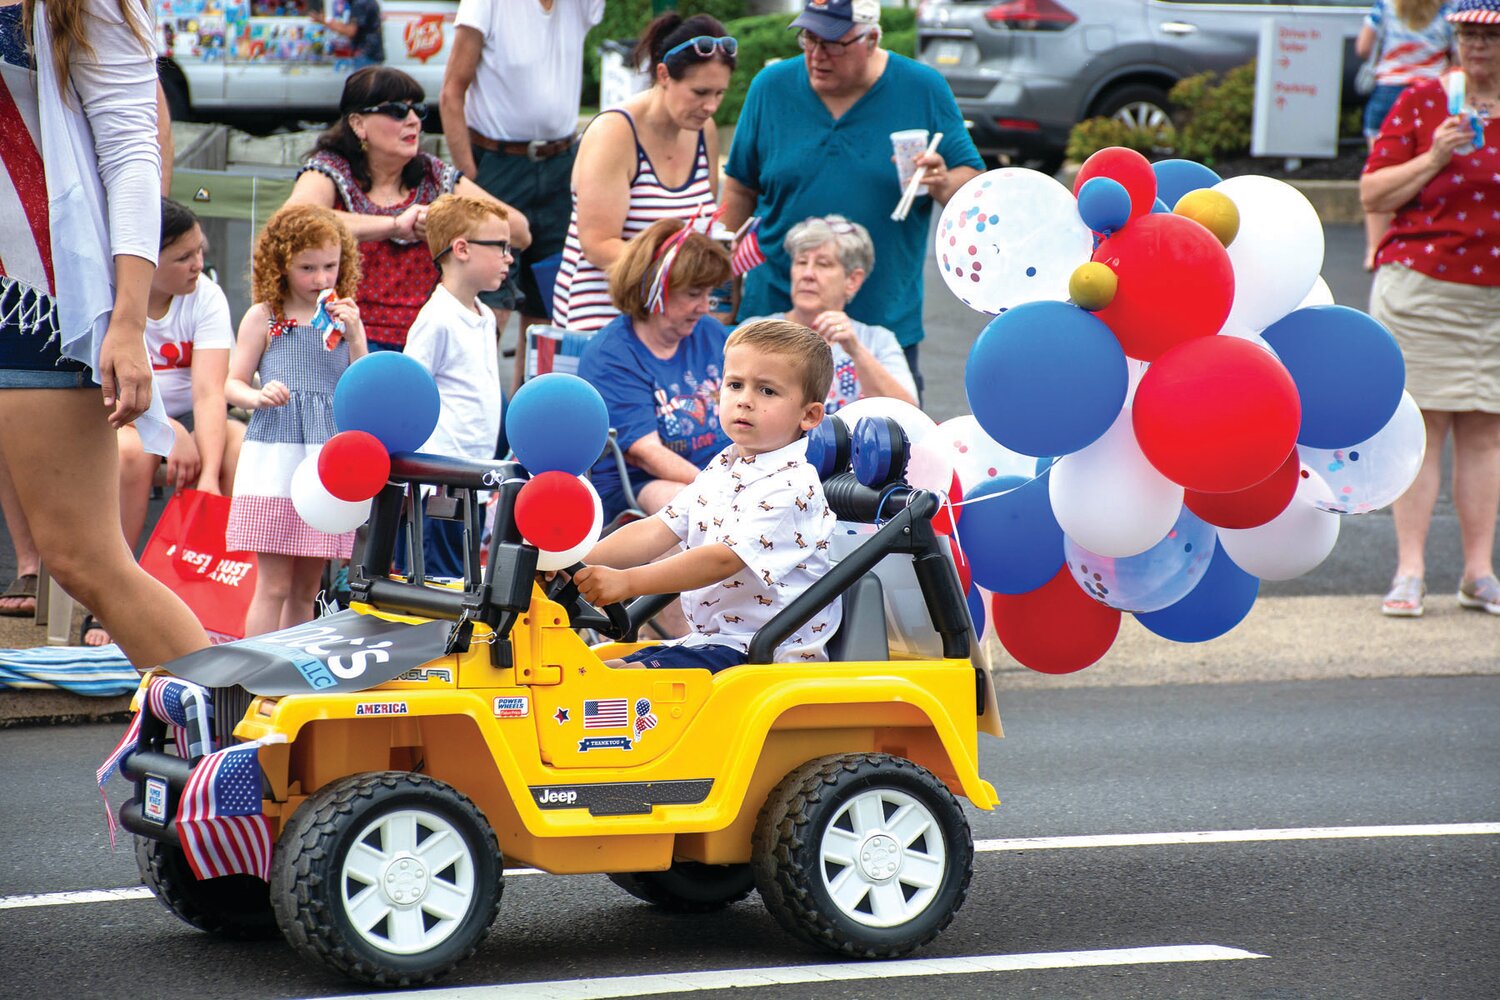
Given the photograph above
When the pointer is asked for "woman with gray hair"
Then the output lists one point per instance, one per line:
(831, 258)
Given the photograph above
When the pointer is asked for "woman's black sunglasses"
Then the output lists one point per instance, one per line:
(396, 109)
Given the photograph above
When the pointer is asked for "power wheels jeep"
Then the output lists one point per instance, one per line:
(415, 746)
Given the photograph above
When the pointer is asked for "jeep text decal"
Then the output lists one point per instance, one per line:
(622, 798)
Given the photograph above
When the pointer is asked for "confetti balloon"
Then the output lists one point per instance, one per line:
(1374, 473)
(1157, 578)
(1010, 236)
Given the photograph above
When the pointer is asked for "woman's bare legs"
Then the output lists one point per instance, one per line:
(1476, 488)
(27, 561)
(137, 472)
(1412, 512)
(70, 494)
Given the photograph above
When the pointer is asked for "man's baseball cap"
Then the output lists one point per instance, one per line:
(832, 19)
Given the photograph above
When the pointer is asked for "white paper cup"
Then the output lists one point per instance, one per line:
(908, 144)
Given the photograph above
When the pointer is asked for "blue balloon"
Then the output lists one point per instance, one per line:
(1103, 204)
(1046, 378)
(1013, 542)
(1044, 463)
(1175, 178)
(389, 395)
(1221, 601)
(1159, 207)
(557, 422)
(976, 609)
(1348, 370)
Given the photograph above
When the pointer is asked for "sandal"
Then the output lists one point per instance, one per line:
(22, 587)
(1404, 600)
(91, 624)
(1482, 594)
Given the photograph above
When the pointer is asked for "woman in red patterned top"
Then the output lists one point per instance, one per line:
(370, 169)
(1438, 290)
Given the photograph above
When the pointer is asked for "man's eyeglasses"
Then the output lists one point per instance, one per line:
(1478, 37)
(703, 47)
(396, 109)
(809, 42)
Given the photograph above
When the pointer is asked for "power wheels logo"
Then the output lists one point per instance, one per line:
(512, 708)
(424, 37)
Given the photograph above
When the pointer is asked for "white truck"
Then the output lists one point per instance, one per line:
(269, 58)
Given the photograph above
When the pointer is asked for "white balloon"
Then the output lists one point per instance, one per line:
(913, 421)
(320, 509)
(1374, 473)
(1321, 295)
(1010, 236)
(1135, 370)
(976, 456)
(1109, 499)
(550, 560)
(1278, 252)
(1294, 541)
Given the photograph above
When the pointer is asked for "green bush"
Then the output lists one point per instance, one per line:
(763, 38)
(1093, 134)
(1216, 114)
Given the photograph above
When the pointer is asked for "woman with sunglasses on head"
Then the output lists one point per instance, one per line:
(1437, 289)
(370, 169)
(655, 157)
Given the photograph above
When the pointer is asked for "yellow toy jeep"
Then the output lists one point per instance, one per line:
(415, 746)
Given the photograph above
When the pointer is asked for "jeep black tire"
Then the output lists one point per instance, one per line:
(389, 878)
(689, 887)
(864, 854)
(236, 907)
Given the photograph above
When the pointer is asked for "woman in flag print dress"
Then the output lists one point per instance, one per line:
(303, 250)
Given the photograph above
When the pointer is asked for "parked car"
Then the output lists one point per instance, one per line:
(1026, 71)
(268, 58)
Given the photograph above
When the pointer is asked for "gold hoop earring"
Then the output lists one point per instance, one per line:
(364, 146)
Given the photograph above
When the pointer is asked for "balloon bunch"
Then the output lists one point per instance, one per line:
(558, 426)
(1167, 407)
(383, 403)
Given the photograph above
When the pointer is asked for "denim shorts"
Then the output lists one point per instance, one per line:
(1378, 105)
(32, 359)
(710, 657)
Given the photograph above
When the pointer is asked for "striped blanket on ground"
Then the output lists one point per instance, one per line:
(97, 671)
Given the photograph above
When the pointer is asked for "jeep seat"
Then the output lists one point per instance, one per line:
(861, 635)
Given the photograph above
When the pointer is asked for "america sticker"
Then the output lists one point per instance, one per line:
(380, 708)
(512, 708)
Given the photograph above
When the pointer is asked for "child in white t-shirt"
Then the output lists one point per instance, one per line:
(754, 523)
(454, 337)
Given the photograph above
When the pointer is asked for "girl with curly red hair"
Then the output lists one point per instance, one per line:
(303, 252)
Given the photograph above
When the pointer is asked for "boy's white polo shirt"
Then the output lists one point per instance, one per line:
(770, 510)
(458, 346)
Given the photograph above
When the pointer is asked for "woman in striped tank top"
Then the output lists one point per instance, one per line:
(654, 157)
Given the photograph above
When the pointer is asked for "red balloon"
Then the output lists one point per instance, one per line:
(1249, 508)
(1129, 168)
(948, 515)
(1217, 414)
(1056, 628)
(554, 511)
(1175, 283)
(961, 563)
(354, 465)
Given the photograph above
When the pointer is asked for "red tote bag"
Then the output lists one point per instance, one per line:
(187, 553)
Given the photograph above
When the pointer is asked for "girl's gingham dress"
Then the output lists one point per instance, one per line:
(261, 516)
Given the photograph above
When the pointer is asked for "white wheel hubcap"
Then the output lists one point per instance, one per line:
(882, 858)
(407, 882)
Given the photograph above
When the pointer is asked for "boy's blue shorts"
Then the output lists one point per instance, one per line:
(678, 657)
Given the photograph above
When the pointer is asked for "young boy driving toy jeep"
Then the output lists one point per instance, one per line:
(754, 524)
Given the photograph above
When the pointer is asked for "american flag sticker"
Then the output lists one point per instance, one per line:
(606, 713)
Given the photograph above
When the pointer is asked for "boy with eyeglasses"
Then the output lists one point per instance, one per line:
(454, 338)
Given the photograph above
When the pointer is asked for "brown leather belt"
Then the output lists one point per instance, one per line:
(537, 149)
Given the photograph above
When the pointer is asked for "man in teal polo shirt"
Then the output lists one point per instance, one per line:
(815, 138)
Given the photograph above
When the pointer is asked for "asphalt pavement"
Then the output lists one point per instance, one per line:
(1388, 892)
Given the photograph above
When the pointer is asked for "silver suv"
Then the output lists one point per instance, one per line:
(1025, 71)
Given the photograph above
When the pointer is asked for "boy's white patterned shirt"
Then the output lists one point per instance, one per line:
(769, 509)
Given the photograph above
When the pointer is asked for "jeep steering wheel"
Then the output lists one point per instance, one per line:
(611, 621)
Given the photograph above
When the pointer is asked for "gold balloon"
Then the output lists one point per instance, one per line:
(1092, 286)
(1213, 210)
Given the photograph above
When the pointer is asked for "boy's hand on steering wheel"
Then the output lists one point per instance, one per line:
(601, 585)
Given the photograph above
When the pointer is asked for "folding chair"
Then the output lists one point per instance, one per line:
(554, 349)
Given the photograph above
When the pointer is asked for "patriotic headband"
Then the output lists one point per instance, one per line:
(657, 280)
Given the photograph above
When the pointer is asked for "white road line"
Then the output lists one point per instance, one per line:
(787, 975)
(980, 846)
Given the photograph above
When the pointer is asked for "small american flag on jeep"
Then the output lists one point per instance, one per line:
(606, 713)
